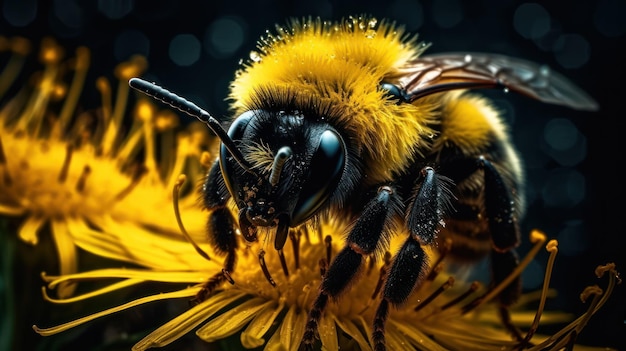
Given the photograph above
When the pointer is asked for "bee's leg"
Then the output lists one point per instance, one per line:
(221, 228)
(500, 209)
(410, 264)
(362, 241)
(505, 234)
(504, 229)
(503, 263)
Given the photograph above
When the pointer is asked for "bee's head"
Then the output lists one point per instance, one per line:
(296, 164)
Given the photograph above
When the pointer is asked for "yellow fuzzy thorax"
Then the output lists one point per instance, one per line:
(334, 70)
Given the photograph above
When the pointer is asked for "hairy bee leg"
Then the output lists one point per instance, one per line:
(362, 241)
(426, 212)
(409, 268)
(221, 229)
(503, 263)
(504, 228)
(410, 265)
(500, 208)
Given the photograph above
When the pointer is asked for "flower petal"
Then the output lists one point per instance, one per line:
(290, 331)
(128, 242)
(29, 228)
(163, 296)
(142, 274)
(328, 333)
(351, 329)
(11, 210)
(232, 320)
(419, 339)
(252, 336)
(68, 259)
(185, 322)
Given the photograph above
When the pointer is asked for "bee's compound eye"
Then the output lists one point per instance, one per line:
(393, 91)
(327, 166)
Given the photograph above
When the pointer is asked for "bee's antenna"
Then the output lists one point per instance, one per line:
(193, 110)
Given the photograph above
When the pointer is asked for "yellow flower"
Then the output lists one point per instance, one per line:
(441, 315)
(76, 170)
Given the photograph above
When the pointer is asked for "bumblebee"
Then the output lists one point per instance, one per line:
(352, 119)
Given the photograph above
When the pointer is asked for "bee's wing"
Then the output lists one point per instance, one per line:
(441, 72)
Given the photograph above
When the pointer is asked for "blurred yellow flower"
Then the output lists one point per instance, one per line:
(86, 173)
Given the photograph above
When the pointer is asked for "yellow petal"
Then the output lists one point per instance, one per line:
(67, 255)
(351, 329)
(396, 340)
(163, 296)
(420, 339)
(29, 228)
(185, 322)
(252, 336)
(142, 274)
(107, 289)
(11, 210)
(129, 242)
(233, 320)
(290, 332)
(328, 333)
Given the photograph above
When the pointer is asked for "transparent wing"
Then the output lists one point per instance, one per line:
(441, 72)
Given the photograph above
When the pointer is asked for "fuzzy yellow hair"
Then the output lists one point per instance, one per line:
(337, 68)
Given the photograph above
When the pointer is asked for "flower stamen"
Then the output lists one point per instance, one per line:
(81, 66)
(138, 173)
(20, 47)
(472, 289)
(175, 198)
(266, 272)
(6, 176)
(445, 286)
(567, 335)
(283, 262)
(552, 248)
(69, 149)
(382, 275)
(295, 243)
(323, 264)
(537, 238)
(328, 242)
(82, 180)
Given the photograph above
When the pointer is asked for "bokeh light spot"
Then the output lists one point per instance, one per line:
(19, 13)
(447, 13)
(564, 187)
(115, 9)
(531, 21)
(573, 239)
(184, 49)
(409, 12)
(564, 143)
(224, 37)
(532, 276)
(560, 133)
(69, 13)
(572, 50)
(609, 18)
(131, 42)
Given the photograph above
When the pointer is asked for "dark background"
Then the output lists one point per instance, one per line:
(575, 194)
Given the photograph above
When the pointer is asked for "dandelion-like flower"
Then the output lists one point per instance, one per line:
(267, 303)
(80, 171)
